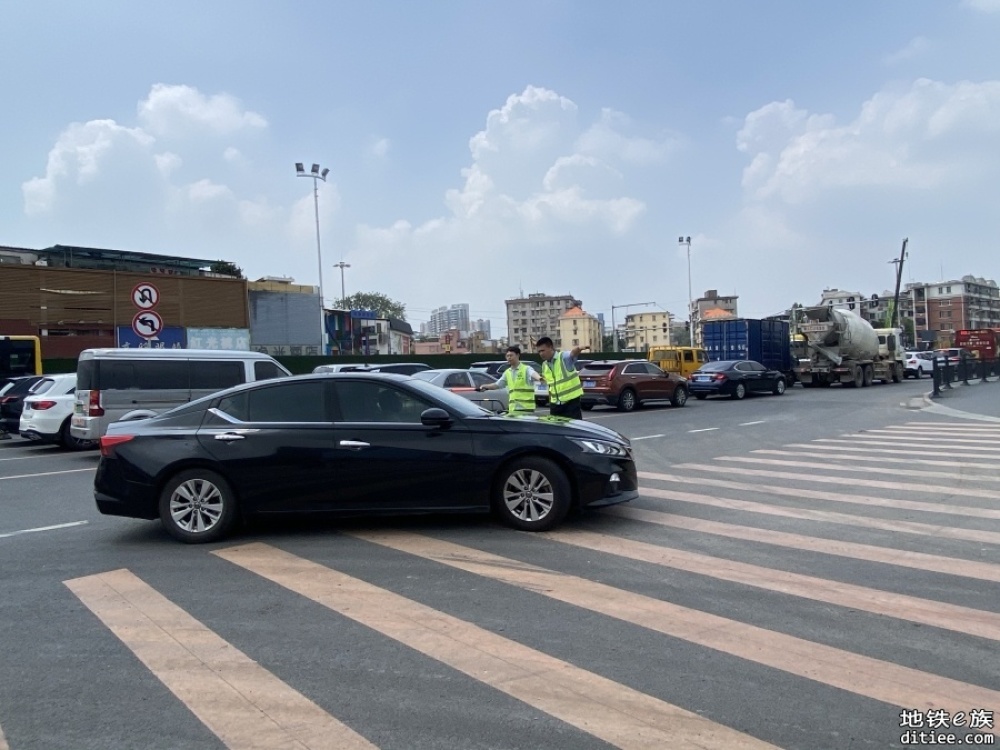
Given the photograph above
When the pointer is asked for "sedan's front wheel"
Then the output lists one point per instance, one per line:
(680, 396)
(198, 506)
(532, 494)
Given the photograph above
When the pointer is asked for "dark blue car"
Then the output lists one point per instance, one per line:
(734, 378)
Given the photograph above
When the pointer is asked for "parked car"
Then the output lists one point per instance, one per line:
(354, 367)
(918, 363)
(465, 383)
(953, 356)
(399, 368)
(735, 378)
(11, 401)
(48, 410)
(628, 384)
(353, 443)
(493, 368)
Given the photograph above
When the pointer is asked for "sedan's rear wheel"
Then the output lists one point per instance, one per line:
(739, 392)
(532, 494)
(198, 506)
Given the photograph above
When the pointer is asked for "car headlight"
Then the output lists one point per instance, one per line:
(602, 448)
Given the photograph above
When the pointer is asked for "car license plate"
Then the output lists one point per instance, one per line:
(588, 383)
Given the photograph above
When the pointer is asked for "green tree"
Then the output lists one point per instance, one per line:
(384, 306)
(224, 266)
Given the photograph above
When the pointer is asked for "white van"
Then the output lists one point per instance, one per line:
(113, 383)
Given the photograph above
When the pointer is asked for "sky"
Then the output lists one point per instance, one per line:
(480, 151)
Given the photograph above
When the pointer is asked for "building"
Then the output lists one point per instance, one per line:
(483, 327)
(721, 308)
(646, 329)
(76, 298)
(446, 318)
(284, 317)
(939, 309)
(577, 328)
(529, 318)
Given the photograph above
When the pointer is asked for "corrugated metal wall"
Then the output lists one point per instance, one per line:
(284, 319)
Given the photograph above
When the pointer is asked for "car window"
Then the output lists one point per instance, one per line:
(264, 370)
(480, 378)
(599, 368)
(376, 402)
(6, 388)
(756, 366)
(744, 367)
(688, 356)
(217, 375)
(303, 401)
(654, 370)
(636, 368)
(41, 386)
(457, 380)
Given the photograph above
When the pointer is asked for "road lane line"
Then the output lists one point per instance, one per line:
(900, 439)
(853, 550)
(243, 704)
(606, 709)
(800, 494)
(704, 429)
(901, 606)
(43, 528)
(3, 741)
(646, 437)
(912, 473)
(947, 426)
(870, 459)
(851, 481)
(861, 675)
(834, 444)
(48, 473)
(747, 424)
(952, 432)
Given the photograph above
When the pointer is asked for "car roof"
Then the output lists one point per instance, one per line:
(145, 353)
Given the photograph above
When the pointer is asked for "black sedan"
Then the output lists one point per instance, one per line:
(352, 443)
(734, 378)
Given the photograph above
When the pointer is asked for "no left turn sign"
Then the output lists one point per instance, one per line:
(147, 323)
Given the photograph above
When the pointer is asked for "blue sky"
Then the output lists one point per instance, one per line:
(477, 150)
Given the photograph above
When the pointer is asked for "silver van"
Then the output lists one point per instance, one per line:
(132, 383)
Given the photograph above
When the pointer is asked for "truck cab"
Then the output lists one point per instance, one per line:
(681, 360)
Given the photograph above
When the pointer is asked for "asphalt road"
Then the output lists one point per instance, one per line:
(798, 571)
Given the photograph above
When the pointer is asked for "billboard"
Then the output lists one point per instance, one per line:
(219, 338)
(168, 337)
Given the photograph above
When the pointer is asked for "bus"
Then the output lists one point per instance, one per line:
(20, 355)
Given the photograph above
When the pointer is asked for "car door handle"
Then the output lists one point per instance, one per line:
(354, 445)
(228, 437)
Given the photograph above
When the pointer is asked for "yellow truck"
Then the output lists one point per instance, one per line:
(682, 360)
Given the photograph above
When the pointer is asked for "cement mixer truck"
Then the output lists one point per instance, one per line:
(844, 348)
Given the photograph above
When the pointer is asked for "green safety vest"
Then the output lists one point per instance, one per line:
(564, 385)
(520, 389)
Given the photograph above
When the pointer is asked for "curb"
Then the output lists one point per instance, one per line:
(935, 407)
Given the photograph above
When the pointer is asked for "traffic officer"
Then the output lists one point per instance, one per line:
(519, 380)
(559, 371)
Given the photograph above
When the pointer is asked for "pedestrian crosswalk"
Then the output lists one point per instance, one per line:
(858, 573)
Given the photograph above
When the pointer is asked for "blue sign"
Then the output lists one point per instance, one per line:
(169, 337)
(364, 314)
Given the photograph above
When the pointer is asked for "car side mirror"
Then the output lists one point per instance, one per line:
(435, 417)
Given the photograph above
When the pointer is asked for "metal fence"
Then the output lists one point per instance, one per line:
(967, 371)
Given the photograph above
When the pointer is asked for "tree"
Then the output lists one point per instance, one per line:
(383, 306)
(224, 266)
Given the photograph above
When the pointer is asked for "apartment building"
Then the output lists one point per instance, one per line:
(712, 306)
(578, 328)
(646, 329)
(529, 318)
(940, 308)
(444, 319)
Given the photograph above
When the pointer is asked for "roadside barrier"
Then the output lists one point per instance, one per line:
(945, 373)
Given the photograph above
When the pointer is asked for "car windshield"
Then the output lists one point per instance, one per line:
(426, 374)
(715, 366)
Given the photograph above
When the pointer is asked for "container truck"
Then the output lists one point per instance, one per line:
(844, 348)
(764, 341)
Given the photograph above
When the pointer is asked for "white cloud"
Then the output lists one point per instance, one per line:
(985, 6)
(927, 136)
(608, 138)
(180, 110)
(234, 156)
(167, 163)
(380, 148)
(914, 48)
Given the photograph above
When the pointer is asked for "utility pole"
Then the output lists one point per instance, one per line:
(894, 318)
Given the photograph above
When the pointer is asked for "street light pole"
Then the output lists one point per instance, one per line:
(687, 241)
(316, 175)
(343, 294)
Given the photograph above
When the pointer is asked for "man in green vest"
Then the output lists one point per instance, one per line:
(559, 372)
(519, 380)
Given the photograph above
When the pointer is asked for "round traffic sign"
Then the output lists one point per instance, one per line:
(145, 296)
(147, 323)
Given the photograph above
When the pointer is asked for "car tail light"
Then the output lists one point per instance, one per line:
(94, 408)
(39, 405)
(108, 443)
(720, 376)
(8, 399)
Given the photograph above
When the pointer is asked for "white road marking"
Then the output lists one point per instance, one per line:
(44, 528)
(704, 429)
(48, 473)
(646, 437)
(747, 424)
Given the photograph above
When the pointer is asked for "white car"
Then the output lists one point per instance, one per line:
(48, 408)
(918, 363)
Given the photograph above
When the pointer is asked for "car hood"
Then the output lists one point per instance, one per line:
(549, 425)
